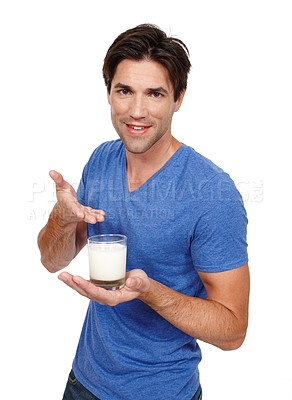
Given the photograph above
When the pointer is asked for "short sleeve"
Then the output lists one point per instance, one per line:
(84, 181)
(82, 186)
(219, 238)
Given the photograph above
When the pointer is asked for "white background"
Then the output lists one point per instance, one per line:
(54, 112)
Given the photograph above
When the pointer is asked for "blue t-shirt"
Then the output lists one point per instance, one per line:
(187, 217)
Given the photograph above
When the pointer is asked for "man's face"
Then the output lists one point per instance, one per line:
(142, 104)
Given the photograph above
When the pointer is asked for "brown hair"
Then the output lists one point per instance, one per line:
(148, 42)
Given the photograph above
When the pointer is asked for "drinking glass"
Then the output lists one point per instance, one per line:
(107, 256)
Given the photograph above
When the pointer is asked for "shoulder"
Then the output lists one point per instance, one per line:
(103, 155)
(111, 148)
(208, 179)
(200, 164)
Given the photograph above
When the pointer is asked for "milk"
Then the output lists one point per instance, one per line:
(107, 261)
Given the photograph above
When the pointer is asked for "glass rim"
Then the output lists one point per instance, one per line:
(122, 238)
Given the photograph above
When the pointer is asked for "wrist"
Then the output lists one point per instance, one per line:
(62, 217)
(152, 295)
(160, 297)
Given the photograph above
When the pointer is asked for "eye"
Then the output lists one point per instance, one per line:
(156, 95)
(124, 91)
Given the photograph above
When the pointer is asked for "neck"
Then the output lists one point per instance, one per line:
(140, 167)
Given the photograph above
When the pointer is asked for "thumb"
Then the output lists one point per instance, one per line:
(59, 180)
(57, 177)
(138, 284)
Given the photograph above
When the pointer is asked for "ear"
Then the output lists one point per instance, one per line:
(108, 97)
(179, 100)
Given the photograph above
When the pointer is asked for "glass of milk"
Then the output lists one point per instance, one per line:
(107, 260)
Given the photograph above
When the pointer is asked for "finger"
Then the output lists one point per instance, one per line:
(92, 220)
(69, 281)
(92, 216)
(92, 210)
(82, 213)
(56, 176)
(98, 294)
(93, 292)
(59, 180)
(138, 284)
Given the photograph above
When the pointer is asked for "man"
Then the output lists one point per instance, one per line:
(187, 260)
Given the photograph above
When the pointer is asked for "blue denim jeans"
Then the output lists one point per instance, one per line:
(75, 391)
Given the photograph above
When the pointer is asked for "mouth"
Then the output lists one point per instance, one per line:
(137, 130)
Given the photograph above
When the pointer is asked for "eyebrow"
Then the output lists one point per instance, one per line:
(159, 89)
(151, 90)
(122, 86)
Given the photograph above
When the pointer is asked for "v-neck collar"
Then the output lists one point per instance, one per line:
(169, 162)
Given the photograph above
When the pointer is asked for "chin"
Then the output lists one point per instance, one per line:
(141, 146)
(136, 149)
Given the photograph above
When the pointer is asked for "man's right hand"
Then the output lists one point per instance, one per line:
(68, 208)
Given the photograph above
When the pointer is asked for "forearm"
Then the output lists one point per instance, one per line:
(206, 320)
(57, 242)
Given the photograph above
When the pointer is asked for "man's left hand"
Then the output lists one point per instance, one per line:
(137, 282)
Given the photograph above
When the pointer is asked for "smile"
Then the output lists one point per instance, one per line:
(137, 127)
(137, 130)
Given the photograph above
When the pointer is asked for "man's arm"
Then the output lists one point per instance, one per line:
(59, 242)
(65, 233)
(220, 319)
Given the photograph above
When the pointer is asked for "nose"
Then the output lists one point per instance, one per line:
(138, 107)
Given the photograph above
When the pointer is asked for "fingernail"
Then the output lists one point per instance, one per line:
(76, 280)
(62, 278)
(132, 283)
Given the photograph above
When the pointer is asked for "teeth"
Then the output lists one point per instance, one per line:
(137, 128)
